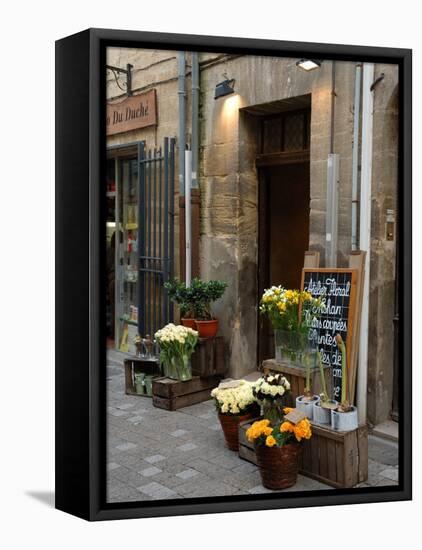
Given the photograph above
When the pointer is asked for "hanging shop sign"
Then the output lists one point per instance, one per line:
(337, 289)
(134, 112)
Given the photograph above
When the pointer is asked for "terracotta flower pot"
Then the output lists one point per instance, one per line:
(187, 322)
(207, 329)
(230, 425)
(278, 466)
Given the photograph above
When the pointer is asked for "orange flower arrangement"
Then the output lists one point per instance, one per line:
(286, 432)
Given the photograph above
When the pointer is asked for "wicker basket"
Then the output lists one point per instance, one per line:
(278, 466)
(230, 425)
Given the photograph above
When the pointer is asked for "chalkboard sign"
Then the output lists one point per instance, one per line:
(337, 288)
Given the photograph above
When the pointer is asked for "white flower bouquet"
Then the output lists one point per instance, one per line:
(177, 343)
(269, 391)
(271, 387)
(237, 398)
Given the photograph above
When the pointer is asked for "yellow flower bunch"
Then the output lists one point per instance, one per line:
(283, 306)
(258, 428)
(262, 433)
(292, 296)
(301, 430)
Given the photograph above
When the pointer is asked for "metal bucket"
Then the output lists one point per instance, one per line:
(344, 421)
(321, 414)
(307, 407)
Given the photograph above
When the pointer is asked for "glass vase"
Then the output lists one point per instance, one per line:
(178, 367)
(294, 347)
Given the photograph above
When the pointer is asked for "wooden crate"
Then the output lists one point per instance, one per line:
(208, 358)
(246, 449)
(172, 394)
(339, 459)
(135, 365)
(296, 376)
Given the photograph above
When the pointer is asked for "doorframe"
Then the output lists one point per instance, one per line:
(262, 162)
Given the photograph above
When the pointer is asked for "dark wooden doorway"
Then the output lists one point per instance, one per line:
(283, 235)
(284, 206)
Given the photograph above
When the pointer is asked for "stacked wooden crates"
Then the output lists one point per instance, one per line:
(208, 368)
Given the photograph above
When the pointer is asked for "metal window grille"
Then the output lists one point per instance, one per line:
(286, 132)
(155, 235)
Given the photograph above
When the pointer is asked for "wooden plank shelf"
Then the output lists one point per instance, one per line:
(173, 394)
(339, 459)
(296, 376)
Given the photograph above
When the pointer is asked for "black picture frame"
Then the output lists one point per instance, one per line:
(80, 333)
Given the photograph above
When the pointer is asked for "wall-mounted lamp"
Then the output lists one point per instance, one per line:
(308, 64)
(224, 88)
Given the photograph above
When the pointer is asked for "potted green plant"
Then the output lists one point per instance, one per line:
(180, 294)
(202, 294)
(235, 403)
(277, 450)
(323, 407)
(345, 417)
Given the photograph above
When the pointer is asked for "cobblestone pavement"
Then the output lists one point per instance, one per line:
(157, 454)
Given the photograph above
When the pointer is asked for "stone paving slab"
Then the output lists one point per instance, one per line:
(156, 454)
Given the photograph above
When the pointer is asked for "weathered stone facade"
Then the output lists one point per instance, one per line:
(228, 182)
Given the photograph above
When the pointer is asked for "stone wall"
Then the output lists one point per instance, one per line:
(383, 251)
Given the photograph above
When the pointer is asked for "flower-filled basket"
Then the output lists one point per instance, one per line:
(278, 449)
(235, 403)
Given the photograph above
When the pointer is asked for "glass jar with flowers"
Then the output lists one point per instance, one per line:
(269, 392)
(177, 343)
(235, 403)
(278, 449)
(292, 313)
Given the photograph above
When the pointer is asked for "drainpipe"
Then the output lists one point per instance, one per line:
(355, 156)
(188, 217)
(333, 182)
(195, 121)
(365, 232)
(182, 123)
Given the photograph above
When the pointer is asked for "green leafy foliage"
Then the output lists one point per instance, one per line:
(195, 301)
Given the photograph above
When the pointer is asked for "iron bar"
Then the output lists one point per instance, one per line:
(141, 239)
(166, 227)
(154, 325)
(160, 236)
(171, 216)
(149, 190)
